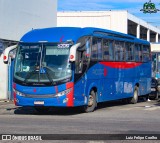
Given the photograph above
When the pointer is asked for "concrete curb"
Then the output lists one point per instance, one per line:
(6, 102)
(2, 101)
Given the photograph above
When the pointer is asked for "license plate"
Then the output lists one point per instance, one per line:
(38, 102)
(153, 89)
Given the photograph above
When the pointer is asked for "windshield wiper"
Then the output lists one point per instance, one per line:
(29, 74)
(48, 75)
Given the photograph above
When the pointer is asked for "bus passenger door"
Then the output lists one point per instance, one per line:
(80, 77)
(81, 61)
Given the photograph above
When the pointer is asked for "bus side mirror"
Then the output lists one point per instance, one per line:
(7, 54)
(73, 50)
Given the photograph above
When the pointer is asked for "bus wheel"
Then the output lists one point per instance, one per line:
(42, 109)
(153, 96)
(134, 99)
(157, 95)
(92, 103)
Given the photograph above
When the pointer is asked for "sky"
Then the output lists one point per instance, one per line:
(132, 6)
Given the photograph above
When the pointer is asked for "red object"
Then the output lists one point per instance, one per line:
(71, 57)
(4, 57)
(105, 72)
(14, 85)
(14, 94)
(61, 39)
(34, 90)
(121, 65)
(70, 94)
(56, 89)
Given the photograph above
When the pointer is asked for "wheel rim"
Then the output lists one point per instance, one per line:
(91, 101)
(136, 95)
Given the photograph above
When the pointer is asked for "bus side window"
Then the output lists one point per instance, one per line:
(99, 46)
(111, 51)
(138, 53)
(108, 53)
(146, 53)
(116, 48)
(94, 51)
(106, 49)
(119, 51)
(129, 52)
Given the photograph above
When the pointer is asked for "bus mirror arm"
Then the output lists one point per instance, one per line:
(73, 50)
(81, 50)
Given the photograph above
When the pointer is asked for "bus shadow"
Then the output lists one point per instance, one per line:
(65, 111)
(110, 104)
(52, 111)
(69, 111)
(158, 103)
(117, 103)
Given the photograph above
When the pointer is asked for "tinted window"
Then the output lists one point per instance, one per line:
(99, 44)
(119, 51)
(129, 52)
(96, 52)
(108, 53)
(138, 53)
(146, 53)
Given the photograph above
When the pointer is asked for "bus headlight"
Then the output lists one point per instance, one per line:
(18, 93)
(63, 92)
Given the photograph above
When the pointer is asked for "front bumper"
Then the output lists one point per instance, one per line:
(55, 101)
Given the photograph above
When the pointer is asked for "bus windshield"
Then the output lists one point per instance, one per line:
(42, 63)
(155, 63)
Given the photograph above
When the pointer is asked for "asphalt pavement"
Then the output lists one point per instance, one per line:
(109, 118)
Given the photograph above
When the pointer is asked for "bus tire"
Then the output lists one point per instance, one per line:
(92, 103)
(134, 99)
(157, 95)
(153, 97)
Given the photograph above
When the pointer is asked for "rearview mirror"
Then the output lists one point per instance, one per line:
(8, 53)
(72, 56)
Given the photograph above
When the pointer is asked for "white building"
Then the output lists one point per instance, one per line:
(18, 17)
(120, 21)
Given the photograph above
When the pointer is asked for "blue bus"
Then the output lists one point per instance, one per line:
(155, 84)
(71, 66)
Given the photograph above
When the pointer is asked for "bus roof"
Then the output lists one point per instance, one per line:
(63, 34)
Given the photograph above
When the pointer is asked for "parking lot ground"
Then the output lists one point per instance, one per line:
(8, 107)
(109, 118)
